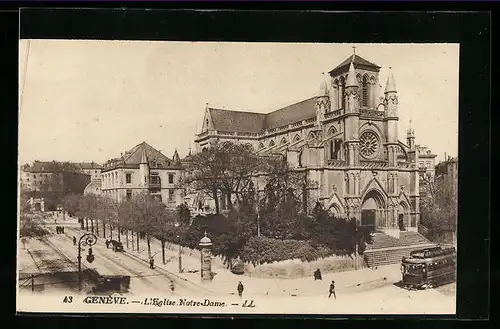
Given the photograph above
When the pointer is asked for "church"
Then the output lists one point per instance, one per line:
(346, 139)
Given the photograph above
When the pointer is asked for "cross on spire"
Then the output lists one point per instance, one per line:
(354, 49)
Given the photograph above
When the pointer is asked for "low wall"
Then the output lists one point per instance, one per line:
(295, 268)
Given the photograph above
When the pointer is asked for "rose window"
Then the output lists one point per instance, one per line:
(368, 144)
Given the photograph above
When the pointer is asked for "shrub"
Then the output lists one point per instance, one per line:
(260, 250)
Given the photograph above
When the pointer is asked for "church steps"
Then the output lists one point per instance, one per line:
(387, 250)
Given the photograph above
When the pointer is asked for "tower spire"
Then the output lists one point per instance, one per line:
(323, 87)
(351, 77)
(390, 87)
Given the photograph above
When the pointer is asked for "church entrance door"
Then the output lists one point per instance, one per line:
(368, 219)
(372, 210)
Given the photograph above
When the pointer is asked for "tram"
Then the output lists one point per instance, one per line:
(430, 267)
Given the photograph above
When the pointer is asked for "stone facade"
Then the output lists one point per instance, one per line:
(346, 141)
(141, 169)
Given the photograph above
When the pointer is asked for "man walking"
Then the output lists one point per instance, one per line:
(240, 289)
(332, 290)
(152, 263)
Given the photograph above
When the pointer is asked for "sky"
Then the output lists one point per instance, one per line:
(90, 100)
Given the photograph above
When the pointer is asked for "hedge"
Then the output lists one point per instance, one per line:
(260, 250)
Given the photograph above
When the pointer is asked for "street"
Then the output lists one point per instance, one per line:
(362, 291)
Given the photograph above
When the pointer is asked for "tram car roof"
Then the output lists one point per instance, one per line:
(430, 254)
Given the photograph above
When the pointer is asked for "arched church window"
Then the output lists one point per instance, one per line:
(296, 138)
(271, 144)
(335, 146)
(365, 91)
(342, 92)
(332, 131)
(261, 145)
(283, 141)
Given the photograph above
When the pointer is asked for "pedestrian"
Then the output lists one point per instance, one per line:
(74, 241)
(172, 287)
(317, 275)
(57, 229)
(107, 244)
(240, 289)
(62, 229)
(332, 290)
(152, 263)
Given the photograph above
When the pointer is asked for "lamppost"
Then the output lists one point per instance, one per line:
(88, 239)
(180, 250)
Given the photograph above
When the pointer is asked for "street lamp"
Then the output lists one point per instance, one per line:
(88, 239)
(180, 254)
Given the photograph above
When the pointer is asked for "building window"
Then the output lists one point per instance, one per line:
(365, 92)
(128, 178)
(170, 195)
(170, 178)
(129, 194)
(155, 180)
(334, 149)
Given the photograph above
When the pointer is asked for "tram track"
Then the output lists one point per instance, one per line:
(145, 277)
(158, 271)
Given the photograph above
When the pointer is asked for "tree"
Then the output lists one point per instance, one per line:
(439, 206)
(90, 208)
(64, 178)
(31, 227)
(223, 171)
(148, 211)
(71, 203)
(164, 225)
(285, 199)
(184, 214)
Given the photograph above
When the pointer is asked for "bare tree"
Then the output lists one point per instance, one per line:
(223, 171)
(147, 211)
(90, 208)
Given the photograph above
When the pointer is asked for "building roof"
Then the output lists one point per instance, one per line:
(88, 165)
(303, 110)
(227, 120)
(248, 122)
(43, 166)
(133, 158)
(359, 62)
(56, 166)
